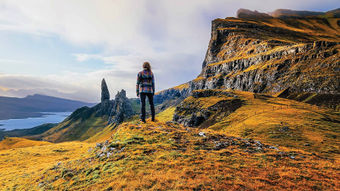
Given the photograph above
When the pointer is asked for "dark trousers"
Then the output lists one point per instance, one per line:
(152, 107)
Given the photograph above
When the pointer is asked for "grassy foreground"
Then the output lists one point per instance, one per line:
(286, 145)
(167, 156)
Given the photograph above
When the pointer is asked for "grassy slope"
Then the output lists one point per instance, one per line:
(16, 142)
(70, 130)
(277, 121)
(168, 156)
(19, 167)
(107, 132)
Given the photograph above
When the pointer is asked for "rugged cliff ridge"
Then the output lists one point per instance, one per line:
(272, 55)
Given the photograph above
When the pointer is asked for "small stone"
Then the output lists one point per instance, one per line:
(202, 134)
(258, 143)
(272, 147)
(284, 129)
(259, 148)
(98, 145)
(104, 149)
(121, 150)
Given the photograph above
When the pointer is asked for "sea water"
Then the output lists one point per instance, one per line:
(47, 117)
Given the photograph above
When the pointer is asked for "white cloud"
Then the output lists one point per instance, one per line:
(172, 34)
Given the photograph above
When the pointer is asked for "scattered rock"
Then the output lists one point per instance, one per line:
(202, 134)
(98, 145)
(103, 149)
(284, 129)
(272, 147)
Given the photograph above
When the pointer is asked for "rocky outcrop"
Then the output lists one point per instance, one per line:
(105, 106)
(121, 108)
(202, 107)
(116, 110)
(273, 72)
(105, 94)
(261, 56)
(269, 55)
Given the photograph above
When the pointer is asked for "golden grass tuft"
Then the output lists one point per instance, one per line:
(166, 115)
(20, 168)
(17, 142)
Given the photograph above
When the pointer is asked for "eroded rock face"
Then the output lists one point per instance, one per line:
(121, 108)
(105, 94)
(262, 56)
(248, 61)
(288, 67)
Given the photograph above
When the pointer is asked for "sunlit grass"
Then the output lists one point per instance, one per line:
(17, 142)
(162, 156)
(20, 167)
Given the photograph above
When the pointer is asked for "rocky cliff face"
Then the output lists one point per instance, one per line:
(258, 56)
(270, 55)
(121, 108)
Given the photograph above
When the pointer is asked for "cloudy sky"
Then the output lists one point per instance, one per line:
(65, 47)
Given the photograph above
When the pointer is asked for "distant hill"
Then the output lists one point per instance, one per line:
(286, 13)
(33, 105)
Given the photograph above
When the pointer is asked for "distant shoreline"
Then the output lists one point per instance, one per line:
(30, 115)
(30, 122)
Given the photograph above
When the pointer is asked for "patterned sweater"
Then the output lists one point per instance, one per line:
(145, 82)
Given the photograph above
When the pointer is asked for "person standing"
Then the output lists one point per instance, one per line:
(146, 88)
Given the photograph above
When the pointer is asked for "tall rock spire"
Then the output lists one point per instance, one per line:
(105, 91)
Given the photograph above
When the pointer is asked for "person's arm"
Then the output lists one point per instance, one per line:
(137, 85)
(153, 84)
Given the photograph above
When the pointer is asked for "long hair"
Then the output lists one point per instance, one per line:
(147, 66)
